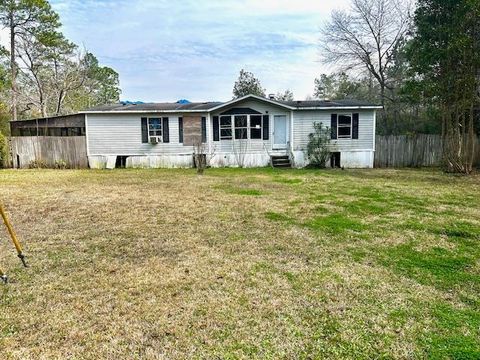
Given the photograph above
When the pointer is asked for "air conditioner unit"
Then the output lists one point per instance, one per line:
(154, 140)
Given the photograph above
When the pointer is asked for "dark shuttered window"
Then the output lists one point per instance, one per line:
(255, 126)
(166, 134)
(226, 127)
(180, 129)
(266, 127)
(144, 130)
(355, 126)
(333, 126)
(216, 129)
(204, 129)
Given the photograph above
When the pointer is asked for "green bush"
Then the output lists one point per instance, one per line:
(3, 151)
(60, 164)
(37, 164)
(318, 150)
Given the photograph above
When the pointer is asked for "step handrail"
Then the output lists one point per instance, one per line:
(290, 154)
(268, 153)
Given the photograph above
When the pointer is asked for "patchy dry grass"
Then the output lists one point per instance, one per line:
(241, 264)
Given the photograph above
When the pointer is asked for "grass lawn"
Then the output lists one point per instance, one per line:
(253, 263)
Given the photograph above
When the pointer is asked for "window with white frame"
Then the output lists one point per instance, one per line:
(225, 127)
(255, 126)
(155, 129)
(241, 127)
(344, 126)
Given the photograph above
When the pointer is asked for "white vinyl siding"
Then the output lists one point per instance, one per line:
(121, 134)
(303, 126)
(250, 146)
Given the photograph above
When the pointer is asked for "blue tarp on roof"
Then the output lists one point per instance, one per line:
(131, 102)
(183, 101)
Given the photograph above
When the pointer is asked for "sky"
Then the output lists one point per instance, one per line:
(186, 49)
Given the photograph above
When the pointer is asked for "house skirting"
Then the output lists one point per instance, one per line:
(348, 159)
(179, 161)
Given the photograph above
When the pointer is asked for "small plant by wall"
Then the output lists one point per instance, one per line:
(318, 151)
(60, 164)
(4, 156)
(37, 164)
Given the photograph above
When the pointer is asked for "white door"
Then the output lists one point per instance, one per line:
(280, 132)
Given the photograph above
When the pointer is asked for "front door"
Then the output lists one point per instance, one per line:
(279, 132)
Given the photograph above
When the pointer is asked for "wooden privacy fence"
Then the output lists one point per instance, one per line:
(390, 151)
(50, 151)
(412, 151)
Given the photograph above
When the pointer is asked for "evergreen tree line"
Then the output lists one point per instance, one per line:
(419, 60)
(42, 73)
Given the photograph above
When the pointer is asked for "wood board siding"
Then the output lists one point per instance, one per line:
(74, 120)
(303, 125)
(412, 151)
(48, 150)
(192, 129)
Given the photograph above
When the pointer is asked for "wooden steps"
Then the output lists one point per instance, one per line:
(280, 161)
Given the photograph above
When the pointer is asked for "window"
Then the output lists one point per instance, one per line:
(344, 126)
(155, 129)
(241, 127)
(180, 129)
(225, 128)
(204, 129)
(255, 126)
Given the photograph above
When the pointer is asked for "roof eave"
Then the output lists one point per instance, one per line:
(234, 101)
(141, 111)
(368, 107)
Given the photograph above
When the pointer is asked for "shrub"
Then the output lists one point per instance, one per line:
(60, 164)
(37, 164)
(318, 150)
(3, 151)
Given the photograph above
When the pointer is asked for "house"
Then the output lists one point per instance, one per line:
(250, 131)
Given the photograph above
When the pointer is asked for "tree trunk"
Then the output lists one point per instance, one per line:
(384, 113)
(61, 97)
(13, 67)
(43, 109)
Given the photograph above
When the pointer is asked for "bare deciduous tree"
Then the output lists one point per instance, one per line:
(287, 95)
(49, 73)
(25, 18)
(202, 156)
(366, 38)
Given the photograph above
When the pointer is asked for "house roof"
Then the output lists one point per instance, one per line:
(198, 106)
(301, 104)
(212, 106)
(61, 121)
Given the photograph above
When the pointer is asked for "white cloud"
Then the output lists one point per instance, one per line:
(167, 50)
(290, 6)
